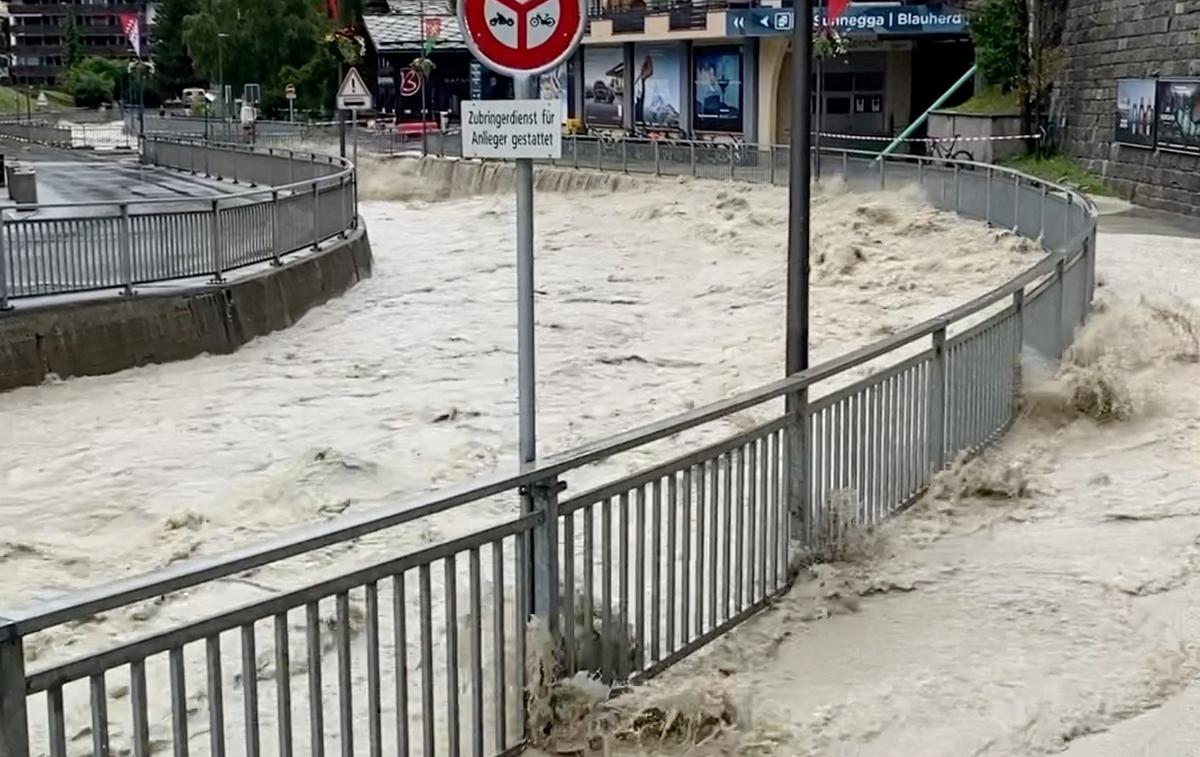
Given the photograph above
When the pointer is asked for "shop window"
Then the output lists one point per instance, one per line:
(837, 106)
(836, 82)
(868, 81)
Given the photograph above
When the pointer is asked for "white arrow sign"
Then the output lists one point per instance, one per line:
(353, 94)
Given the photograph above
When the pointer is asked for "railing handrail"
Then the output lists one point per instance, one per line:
(315, 536)
(346, 167)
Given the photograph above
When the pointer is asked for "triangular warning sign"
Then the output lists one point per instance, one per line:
(353, 85)
(353, 93)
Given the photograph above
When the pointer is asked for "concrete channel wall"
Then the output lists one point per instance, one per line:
(84, 338)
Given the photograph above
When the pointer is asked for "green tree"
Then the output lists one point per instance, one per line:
(84, 80)
(256, 41)
(172, 65)
(999, 31)
(91, 90)
(74, 46)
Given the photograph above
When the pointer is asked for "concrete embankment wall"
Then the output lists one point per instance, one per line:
(441, 178)
(83, 338)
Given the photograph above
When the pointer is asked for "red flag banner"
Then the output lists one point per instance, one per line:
(834, 9)
(131, 25)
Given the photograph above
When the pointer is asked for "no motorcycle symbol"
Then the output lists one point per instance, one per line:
(519, 37)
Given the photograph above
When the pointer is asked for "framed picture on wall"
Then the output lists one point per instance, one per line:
(717, 73)
(1136, 112)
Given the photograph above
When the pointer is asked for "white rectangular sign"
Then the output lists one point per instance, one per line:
(511, 129)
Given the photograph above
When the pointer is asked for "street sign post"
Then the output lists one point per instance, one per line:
(352, 95)
(522, 39)
(289, 92)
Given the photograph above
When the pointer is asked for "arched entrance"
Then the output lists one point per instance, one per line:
(783, 101)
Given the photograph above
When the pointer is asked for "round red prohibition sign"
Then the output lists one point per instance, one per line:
(521, 37)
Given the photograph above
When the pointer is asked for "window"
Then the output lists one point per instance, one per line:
(837, 106)
(868, 81)
(839, 82)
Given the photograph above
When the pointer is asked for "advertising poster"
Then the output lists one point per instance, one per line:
(718, 76)
(556, 85)
(1179, 115)
(657, 85)
(1135, 112)
(603, 86)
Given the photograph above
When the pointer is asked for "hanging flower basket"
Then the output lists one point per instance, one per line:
(827, 43)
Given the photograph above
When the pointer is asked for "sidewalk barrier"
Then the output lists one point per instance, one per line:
(627, 578)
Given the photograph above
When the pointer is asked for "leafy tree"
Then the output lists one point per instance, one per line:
(257, 41)
(74, 46)
(999, 31)
(91, 90)
(172, 65)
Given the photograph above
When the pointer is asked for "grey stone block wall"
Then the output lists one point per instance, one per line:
(1106, 40)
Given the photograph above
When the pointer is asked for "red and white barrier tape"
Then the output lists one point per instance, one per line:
(872, 138)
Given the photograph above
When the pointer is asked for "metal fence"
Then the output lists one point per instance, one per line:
(303, 200)
(428, 651)
(40, 132)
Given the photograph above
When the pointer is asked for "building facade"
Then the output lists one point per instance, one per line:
(38, 34)
(1128, 97)
(712, 71)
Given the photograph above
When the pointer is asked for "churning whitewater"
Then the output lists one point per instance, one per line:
(653, 297)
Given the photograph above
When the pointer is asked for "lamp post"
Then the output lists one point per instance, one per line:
(221, 74)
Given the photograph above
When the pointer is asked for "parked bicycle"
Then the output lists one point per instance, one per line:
(944, 149)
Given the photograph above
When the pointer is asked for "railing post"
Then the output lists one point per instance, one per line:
(624, 156)
(732, 162)
(14, 715)
(988, 197)
(882, 175)
(1016, 202)
(1060, 333)
(600, 155)
(657, 159)
(957, 189)
(1042, 233)
(127, 248)
(937, 402)
(276, 241)
(692, 144)
(845, 166)
(542, 497)
(216, 242)
(575, 151)
(345, 207)
(799, 443)
(1067, 221)
(1018, 299)
(3, 265)
(316, 216)
(920, 171)
(771, 170)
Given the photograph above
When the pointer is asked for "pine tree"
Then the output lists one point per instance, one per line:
(172, 64)
(74, 46)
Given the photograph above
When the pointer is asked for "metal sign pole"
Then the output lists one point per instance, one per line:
(526, 385)
(354, 131)
(800, 174)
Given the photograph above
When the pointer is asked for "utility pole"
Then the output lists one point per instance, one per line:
(800, 176)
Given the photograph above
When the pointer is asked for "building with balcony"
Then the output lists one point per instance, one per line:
(37, 35)
(721, 69)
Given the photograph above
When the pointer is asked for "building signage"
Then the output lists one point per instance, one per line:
(511, 129)
(855, 21)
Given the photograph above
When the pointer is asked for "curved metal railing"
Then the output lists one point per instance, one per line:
(628, 576)
(293, 201)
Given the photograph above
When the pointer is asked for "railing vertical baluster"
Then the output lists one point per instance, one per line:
(1016, 224)
(639, 582)
(671, 564)
(476, 650)
(752, 520)
(543, 498)
(726, 532)
(55, 723)
(655, 565)
(714, 496)
(126, 236)
(138, 702)
(685, 562)
(215, 235)
(400, 647)
(701, 492)
(771, 167)
(316, 216)
(568, 594)
(428, 719)
(499, 653)
(937, 403)
(250, 690)
(316, 710)
(1061, 332)
(216, 697)
(590, 649)
(692, 145)
(657, 159)
(99, 701)
(374, 701)
(957, 188)
(607, 663)
(283, 686)
(4, 267)
(276, 238)
(739, 488)
(987, 195)
(624, 156)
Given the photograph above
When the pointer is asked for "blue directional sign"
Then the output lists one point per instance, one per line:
(856, 21)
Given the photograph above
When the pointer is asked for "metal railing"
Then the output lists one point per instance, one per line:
(301, 200)
(39, 132)
(429, 647)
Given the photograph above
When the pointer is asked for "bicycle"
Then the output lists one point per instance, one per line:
(938, 148)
